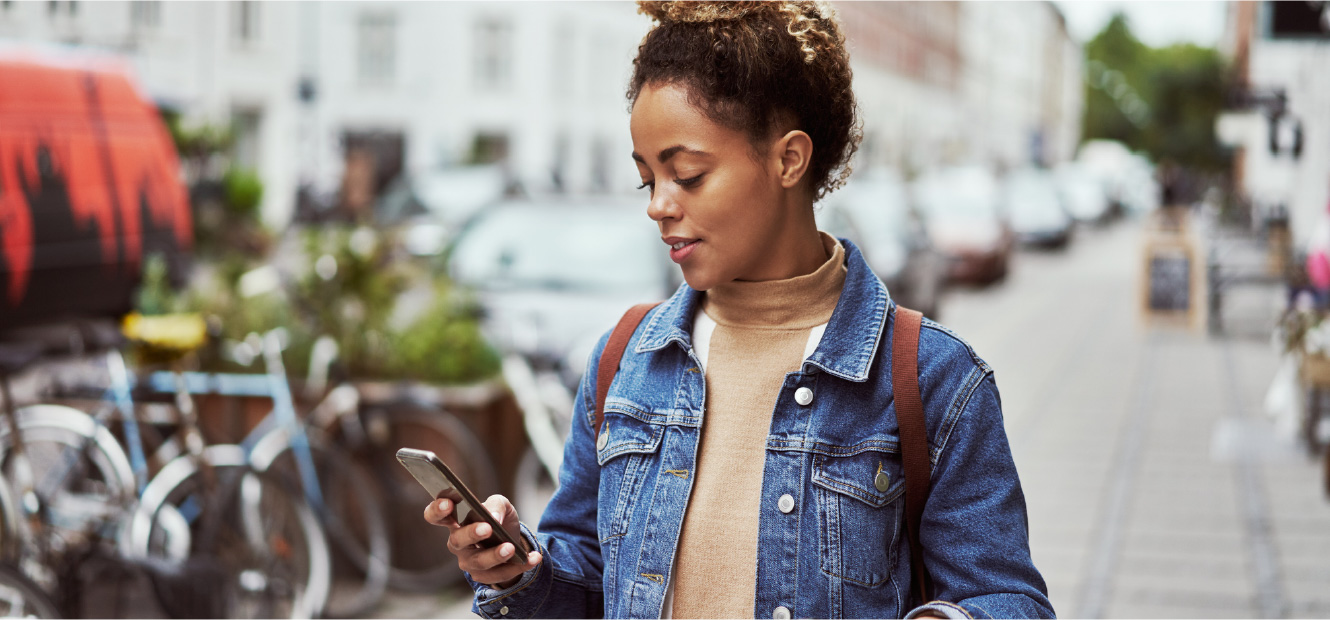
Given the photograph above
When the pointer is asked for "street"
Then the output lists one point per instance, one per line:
(1156, 485)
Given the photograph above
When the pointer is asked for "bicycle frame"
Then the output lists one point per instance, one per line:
(274, 385)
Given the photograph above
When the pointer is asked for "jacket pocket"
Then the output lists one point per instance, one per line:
(626, 448)
(859, 504)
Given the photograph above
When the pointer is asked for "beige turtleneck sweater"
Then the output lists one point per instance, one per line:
(762, 331)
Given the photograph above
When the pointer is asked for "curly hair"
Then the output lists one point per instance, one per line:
(752, 66)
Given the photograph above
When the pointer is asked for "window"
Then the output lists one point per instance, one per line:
(376, 59)
(494, 55)
(246, 124)
(145, 13)
(245, 20)
(1297, 20)
(562, 58)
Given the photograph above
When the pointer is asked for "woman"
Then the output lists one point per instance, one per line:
(748, 463)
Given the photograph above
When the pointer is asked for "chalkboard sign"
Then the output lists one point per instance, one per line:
(1170, 280)
(1170, 289)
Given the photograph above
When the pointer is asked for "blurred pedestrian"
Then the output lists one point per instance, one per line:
(750, 461)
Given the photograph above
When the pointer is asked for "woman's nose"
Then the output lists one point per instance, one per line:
(662, 207)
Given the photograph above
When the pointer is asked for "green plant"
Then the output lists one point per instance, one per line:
(155, 295)
(243, 191)
(445, 344)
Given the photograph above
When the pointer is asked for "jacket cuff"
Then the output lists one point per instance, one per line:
(508, 602)
(942, 608)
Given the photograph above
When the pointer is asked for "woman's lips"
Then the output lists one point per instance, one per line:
(680, 254)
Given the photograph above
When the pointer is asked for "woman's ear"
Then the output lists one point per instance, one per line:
(794, 151)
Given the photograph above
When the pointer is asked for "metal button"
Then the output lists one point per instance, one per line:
(602, 440)
(786, 503)
(503, 611)
(781, 613)
(882, 481)
(803, 396)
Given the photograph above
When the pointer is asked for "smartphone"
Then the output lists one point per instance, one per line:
(442, 483)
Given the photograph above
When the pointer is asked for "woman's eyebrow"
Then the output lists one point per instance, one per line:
(667, 153)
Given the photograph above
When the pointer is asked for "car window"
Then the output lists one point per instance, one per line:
(557, 248)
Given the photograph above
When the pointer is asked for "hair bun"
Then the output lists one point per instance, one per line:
(668, 11)
(712, 11)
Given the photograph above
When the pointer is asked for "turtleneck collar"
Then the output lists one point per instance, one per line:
(799, 302)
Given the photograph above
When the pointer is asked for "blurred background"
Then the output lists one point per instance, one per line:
(252, 248)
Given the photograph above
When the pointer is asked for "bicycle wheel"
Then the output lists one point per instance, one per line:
(250, 547)
(77, 471)
(21, 598)
(353, 518)
(421, 561)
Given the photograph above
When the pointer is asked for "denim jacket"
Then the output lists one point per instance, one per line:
(610, 533)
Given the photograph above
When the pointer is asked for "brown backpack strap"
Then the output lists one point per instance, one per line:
(913, 435)
(609, 358)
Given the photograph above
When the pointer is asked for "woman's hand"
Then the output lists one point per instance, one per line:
(490, 565)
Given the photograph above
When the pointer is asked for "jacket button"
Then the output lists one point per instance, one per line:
(503, 611)
(602, 440)
(882, 481)
(781, 613)
(803, 396)
(785, 504)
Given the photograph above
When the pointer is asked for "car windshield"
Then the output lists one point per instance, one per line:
(958, 195)
(558, 247)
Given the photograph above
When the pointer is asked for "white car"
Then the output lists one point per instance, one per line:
(1083, 194)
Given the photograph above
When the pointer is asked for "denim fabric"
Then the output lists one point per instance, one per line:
(610, 533)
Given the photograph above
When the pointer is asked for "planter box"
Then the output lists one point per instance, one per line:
(1315, 370)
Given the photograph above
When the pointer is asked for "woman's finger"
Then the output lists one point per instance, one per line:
(494, 557)
(440, 512)
(468, 535)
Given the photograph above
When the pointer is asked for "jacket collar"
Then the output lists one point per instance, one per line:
(848, 347)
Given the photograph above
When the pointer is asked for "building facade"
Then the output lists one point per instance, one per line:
(1281, 123)
(410, 86)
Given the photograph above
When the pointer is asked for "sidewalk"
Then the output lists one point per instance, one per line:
(1156, 486)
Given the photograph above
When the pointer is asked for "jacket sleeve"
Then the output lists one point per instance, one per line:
(568, 581)
(975, 530)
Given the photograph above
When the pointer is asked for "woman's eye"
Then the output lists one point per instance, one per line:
(689, 182)
(646, 184)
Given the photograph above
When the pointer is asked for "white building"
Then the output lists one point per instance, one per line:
(1286, 53)
(1022, 83)
(417, 85)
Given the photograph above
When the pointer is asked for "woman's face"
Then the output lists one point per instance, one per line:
(718, 206)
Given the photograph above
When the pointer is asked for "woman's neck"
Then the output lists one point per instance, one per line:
(796, 251)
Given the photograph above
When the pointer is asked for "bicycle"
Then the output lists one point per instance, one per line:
(19, 596)
(310, 463)
(225, 524)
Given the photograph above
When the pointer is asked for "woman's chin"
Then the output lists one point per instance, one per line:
(698, 280)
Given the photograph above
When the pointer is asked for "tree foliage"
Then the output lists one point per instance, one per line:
(1182, 87)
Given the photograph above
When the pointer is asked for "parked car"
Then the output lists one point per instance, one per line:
(873, 211)
(552, 275)
(430, 207)
(90, 187)
(1030, 198)
(1083, 193)
(964, 216)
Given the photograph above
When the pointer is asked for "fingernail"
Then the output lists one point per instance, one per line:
(506, 550)
(483, 529)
